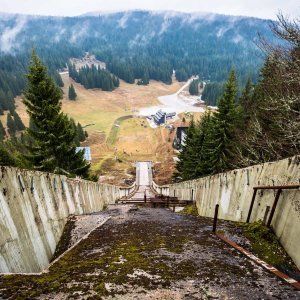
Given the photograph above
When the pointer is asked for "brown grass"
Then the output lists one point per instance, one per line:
(135, 139)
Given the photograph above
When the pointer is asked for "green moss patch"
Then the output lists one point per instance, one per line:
(64, 242)
(110, 255)
(266, 245)
(190, 210)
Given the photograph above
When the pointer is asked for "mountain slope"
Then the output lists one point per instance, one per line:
(136, 43)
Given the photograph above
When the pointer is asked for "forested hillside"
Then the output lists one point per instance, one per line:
(260, 125)
(134, 45)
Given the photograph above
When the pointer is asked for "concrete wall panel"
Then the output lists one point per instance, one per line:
(233, 192)
(34, 208)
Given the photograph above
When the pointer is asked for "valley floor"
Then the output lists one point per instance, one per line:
(143, 253)
(115, 148)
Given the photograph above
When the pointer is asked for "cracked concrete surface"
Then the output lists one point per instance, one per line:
(144, 253)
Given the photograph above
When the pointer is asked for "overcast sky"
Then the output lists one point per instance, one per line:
(256, 8)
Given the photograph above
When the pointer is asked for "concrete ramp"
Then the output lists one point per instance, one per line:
(143, 180)
(144, 173)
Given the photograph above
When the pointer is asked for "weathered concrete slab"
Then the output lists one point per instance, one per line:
(34, 207)
(233, 192)
(151, 254)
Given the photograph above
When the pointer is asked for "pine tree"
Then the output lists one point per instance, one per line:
(53, 149)
(185, 167)
(80, 133)
(72, 93)
(76, 139)
(5, 158)
(221, 143)
(145, 78)
(116, 81)
(194, 87)
(205, 134)
(18, 122)
(2, 132)
(11, 125)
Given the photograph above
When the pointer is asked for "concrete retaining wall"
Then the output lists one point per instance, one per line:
(161, 189)
(233, 192)
(34, 207)
(126, 191)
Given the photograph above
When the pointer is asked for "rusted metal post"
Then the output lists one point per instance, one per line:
(145, 198)
(215, 218)
(276, 187)
(266, 215)
(251, 205)
(274, 207)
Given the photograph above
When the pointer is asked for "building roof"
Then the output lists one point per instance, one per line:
(160, 116)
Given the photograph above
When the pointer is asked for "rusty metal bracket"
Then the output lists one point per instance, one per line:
(279, 189)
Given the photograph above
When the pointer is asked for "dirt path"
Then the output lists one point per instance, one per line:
(151, 254)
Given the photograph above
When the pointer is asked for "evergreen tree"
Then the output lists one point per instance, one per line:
(5, 158)
(11, 125)
(80, 133)
(76, 139)
(194, 87)
(221, 143)
(18, 122)
(212, 92)
(246, 96)
(53, 149)
(116, 81)
(72, 93)
(2, 132)
(205, 135)
(194, 156)
(145, 78)
(185, 166)
(57, 78)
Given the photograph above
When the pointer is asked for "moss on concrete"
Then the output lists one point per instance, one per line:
(64, 242)
(266, 245)
(190, 210)
(87, 270)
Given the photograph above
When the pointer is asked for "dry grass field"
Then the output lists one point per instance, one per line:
(115, 149)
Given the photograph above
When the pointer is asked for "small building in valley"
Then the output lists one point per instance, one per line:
(161, 117)
(179, 140)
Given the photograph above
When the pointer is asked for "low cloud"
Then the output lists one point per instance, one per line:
(237, 39)
(123, 21)
(79, 32)
(8, 40)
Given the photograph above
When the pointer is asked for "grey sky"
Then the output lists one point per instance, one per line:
(256, 8)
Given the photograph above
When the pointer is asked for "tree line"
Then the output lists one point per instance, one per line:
(188, 48)
(259, 125)
(94, 77)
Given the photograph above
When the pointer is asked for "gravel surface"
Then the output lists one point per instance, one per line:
(83, 225)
